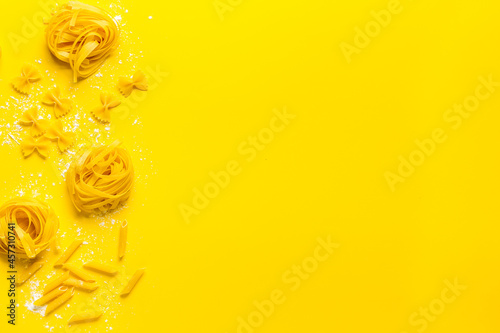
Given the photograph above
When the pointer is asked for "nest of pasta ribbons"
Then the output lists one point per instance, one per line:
(82, 36)
(34, 224)
(100, 179)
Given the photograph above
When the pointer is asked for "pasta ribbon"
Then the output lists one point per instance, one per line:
(38, 126)
(64, 139)
(29, 273)
(29, 75)
(103, 113)
(82, 36)
(84, 317)
(35, 222)
(138, 81)
(132, 282)
(30, 144)
(61, 105)
(100, 179)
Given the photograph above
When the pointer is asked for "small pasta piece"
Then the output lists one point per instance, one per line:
(88, 286)
(59, 301)
(84, 317)
(69, 251)
(122, 243)
(28, 273)
(55, 246)
(132, 282)
(50, 296)
(101, 268)
(79, 273)
(55, 282)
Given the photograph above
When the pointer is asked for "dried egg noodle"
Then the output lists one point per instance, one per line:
(83, 36)
(35, 225)
(100, 179)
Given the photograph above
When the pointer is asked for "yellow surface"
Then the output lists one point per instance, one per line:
(323, 175)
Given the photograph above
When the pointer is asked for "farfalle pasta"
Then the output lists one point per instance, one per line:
(29, 75)
(38, 126)
(100, 179)
(64, 139)
(30, 145)
(61, 105)
(127, 85)
(35, 224)
(82, 36)
(103, 113)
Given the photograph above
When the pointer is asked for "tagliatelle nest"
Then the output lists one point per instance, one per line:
(101, 179)
(83, 36)
(29, 224)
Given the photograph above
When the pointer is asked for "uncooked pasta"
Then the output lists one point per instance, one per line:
(101, 179)
(34, 224)
(82, 36)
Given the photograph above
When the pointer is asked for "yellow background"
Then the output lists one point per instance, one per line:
(322, 176)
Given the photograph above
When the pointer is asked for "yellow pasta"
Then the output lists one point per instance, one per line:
(29, 75)
(59, 301)
(84, 317)
(82, 36)
(103, 113)
(38, 126)
(30, 145)
(89, 286)
(101, 268)
(100, 179)
(133, 281)
(55, 282)
(50, 296)
(64, 139)
(61, 105)
(69, 251)
(122, 242)
(138, 81)
(79, 273)
(28, 273)
(36, 225)
(55, 245)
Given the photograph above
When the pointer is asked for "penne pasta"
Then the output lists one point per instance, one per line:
(55, 282)
(133, 281)
(84, 317)
(59, 301)
(71, 282)
(28, 273)
(50, 296)
(69, 251)
(79, 273)
(122, 243)
(105, 269)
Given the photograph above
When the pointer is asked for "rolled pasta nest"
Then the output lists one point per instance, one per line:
(101, 179)
(29, 224)
(82, 36)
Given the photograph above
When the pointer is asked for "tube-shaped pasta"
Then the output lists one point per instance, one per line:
(59, 301)
(84, 317)
(71, 282)
(132, 282)
(28, 273)
(69, 251)
(122, 242)
(79, 273)
(50, 296)
(101, 268)
(55, 282)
